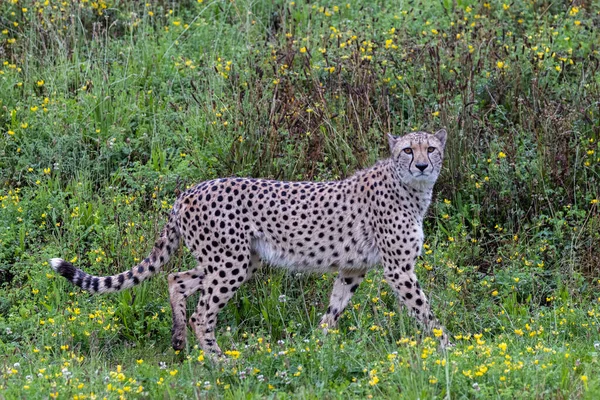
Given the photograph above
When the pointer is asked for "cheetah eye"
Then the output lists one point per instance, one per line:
(407, 150)
(430, 149)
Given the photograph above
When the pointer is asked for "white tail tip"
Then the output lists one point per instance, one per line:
(55, 262)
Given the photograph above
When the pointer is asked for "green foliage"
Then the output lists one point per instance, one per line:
(108, 109)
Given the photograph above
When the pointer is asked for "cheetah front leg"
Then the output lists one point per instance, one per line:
(403, 280)
(344, 287)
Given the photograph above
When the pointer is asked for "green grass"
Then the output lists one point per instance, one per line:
(109, 109)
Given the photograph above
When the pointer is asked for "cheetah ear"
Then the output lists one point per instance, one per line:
(441, 136)
(392, 141)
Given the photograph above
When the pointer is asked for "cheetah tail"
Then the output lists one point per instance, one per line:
(164, 247)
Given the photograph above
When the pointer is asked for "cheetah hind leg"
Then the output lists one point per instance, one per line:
(181, 286)
(219, 287)
(197, 319)
(344, 287)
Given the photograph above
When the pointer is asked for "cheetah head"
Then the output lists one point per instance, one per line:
(418, 156)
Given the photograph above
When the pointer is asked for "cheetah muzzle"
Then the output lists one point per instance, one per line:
(372, 218)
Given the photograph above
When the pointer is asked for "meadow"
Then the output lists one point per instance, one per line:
(110, 108)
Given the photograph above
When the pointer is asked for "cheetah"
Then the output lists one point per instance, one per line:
(230, 225)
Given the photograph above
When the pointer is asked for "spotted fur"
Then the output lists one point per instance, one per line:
(231, 224)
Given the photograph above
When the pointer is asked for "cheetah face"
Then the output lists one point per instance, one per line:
(418, 156)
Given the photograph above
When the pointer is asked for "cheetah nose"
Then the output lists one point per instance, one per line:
(421, 167)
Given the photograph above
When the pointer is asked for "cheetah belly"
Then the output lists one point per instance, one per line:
(362, 256)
